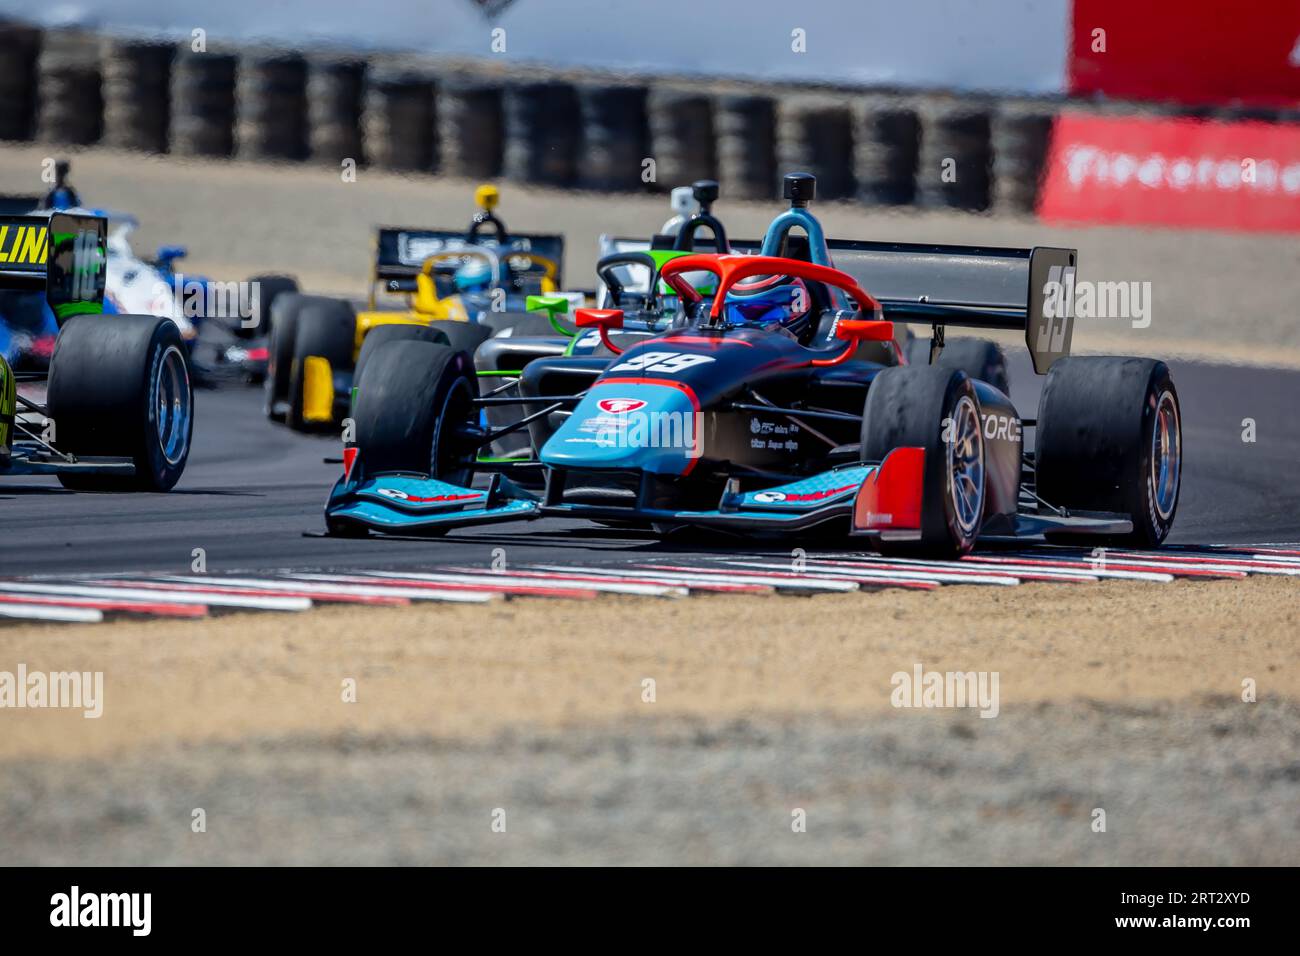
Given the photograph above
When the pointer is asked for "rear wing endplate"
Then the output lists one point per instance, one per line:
(63, 255)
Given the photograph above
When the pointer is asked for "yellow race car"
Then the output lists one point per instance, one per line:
(455, 285)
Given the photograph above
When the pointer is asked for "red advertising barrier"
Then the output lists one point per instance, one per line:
(1188, 51)
(1173, 172)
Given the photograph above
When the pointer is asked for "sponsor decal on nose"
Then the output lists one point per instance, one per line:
(620, 406)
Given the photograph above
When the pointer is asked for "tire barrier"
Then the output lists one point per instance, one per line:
(137, 107)
(70, 104)
(746, 130)
(682, 138)
(19, 48)
(887, 139)
(400, 125)
(271, 97)
(615, 138)
(1019, 135)
(817, 136)
(953, 165)
(335, 96)
(203, 104)
(543, 133)
(930, 149)
(470, 128)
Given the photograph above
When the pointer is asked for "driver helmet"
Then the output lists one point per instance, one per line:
(770, 300)
(474, 276)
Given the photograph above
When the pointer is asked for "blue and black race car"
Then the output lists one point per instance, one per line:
(782, 400)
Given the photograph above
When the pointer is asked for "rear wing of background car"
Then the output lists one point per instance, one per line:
(62, 255)
(400, 252)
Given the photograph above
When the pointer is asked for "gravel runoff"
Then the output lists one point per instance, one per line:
(1211, 782)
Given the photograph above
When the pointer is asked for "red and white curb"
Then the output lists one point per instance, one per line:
(91, 599)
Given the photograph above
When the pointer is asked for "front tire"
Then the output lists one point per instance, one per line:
(934, 408)
(325, 329)
(120, 387)
(413, 402)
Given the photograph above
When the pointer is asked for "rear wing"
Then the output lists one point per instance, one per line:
(983, 287)
(1029, 290)
(400, 252)
(62, 255)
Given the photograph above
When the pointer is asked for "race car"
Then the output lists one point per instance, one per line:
(784, 403)
(458, 285)
(223, 324)
(118, 410)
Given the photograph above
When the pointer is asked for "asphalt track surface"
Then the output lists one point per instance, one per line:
(253, 493)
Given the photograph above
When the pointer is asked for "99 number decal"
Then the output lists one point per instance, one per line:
(663, 363)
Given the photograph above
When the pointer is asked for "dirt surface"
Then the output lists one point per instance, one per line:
(762, 706)
(1217, 296)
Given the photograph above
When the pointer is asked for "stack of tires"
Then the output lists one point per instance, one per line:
(137, 107)
(1019, 137)
(335, 89)
(953, 168)
(614, 137)
(71, 105)
(203, 104)
(272, 113)
(19, 48)
(470, 128)
(746, 144)
(817, 136)
(399, 124)
(543, 133)
(681, 136)
(885, 152)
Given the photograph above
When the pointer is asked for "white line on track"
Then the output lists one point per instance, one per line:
(613, 587)
(504, 587)
(885, 576)
(1112, 571)
(339, 591)
(1123, 563)
(165, 587)
(1025, 573)
(160, 608)
(42, 612)
(703, 577)
(256, 601)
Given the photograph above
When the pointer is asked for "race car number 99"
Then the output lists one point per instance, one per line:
(665, 363)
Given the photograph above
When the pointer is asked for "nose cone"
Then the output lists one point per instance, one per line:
(630, 426)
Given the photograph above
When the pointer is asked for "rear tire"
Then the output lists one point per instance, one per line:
(269, 288)
(412, 399)
(120, 387)
(325, 328)
(909, 407)
(279, 351)
(1110, 440)
(463, 336)
(394, 333)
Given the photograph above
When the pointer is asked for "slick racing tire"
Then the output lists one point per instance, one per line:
(1110, 440)
(981, 359)
(922, 407)
(120, 386)
(413, 399)
(394, 333)
(325, 329)
(463, 336)
(279, 351)
(269, 288)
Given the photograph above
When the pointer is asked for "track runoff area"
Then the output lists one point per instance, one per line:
(89, 599)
